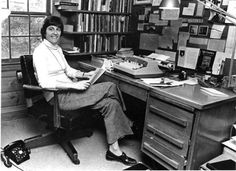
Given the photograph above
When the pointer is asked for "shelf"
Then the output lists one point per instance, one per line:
(93, 33)
(89, 53)
(93, 12)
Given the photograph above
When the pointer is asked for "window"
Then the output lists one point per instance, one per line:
(21, 30)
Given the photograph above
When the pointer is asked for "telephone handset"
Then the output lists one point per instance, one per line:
(17, 151)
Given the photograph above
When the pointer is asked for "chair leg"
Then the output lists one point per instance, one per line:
(41, 140)
(68, 147)
(71, 151)
(58, 137)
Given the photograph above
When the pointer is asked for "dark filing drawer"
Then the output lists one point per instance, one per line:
(167, 133)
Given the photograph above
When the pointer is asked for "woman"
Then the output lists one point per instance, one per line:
(53, 71)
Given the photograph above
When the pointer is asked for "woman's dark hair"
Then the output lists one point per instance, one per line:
(51, 20)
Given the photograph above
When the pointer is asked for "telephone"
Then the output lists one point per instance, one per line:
(16, 151)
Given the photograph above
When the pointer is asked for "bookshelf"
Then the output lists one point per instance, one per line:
(94, 26)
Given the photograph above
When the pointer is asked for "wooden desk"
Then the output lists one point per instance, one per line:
(183, 126)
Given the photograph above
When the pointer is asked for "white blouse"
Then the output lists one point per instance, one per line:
(51, 66)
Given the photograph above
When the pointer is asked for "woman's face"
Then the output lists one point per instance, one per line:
(53, 34)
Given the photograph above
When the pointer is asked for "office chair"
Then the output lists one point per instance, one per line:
(65, 125)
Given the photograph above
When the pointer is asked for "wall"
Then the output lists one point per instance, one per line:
(198, 30)
(12, 96)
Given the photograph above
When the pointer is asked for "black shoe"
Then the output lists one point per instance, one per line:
(122, 158)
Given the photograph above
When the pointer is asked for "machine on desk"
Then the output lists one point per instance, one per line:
(138, 67)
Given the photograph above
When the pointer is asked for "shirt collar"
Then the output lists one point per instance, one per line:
(50, 45)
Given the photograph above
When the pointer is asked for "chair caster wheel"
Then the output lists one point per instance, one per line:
(76, 161)
(6, 160)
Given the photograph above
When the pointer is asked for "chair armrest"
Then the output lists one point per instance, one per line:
(56, 111)
(38, 88)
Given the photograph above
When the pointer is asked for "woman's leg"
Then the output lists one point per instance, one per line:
(107, 99)
(117, 126)
(116, 122)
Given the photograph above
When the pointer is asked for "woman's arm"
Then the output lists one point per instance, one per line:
(42, 73)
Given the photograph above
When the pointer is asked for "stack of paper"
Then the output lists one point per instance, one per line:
(231, 143)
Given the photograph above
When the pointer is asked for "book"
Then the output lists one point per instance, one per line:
(66, 3)
(67, 7)
(97, 75)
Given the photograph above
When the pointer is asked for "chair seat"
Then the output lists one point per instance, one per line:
(70, 119)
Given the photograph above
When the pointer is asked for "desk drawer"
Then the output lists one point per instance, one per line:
(105, 78)
(133, 90)
(165, 115)
(169, 125)
(162, 153)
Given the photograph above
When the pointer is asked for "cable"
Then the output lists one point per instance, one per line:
(16, 166)
(7, 161)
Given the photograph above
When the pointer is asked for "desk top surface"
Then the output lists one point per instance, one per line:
(188, 94)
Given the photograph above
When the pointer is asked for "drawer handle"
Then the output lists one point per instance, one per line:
(161, 156)
(166, 115)
(168, 138)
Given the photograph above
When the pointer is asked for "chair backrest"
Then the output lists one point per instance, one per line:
(28, 76)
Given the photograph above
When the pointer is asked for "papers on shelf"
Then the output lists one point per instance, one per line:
(213, 92)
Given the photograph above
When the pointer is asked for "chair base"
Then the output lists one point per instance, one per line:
(57, 137)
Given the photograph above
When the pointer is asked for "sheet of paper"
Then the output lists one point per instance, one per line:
(141, 17)
(218, 64)
(153, 18)
(176, 23)
(225, 2)
(200, 9)
(140, 26)
(151, 80)
(216, 31)
(159, 57)
(170, 54)
(232, 10)
(161, 82)
(198, 41)
(190, 81)
(171, 32)
(216, 45)
(147, 10)
(165, 42)
(231, 144)
(189, 11)
(188, 57)
(230, 40)
(170, 14)
(156, 2)
(161, 23)
(183, 38)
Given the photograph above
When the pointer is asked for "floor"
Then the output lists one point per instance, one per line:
(91, 150)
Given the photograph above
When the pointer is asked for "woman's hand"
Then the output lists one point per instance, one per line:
(89, 74)
(81, 85)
